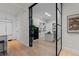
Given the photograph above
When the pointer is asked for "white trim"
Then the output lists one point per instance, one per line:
(70, 49)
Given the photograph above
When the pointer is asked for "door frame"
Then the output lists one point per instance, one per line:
(31, 22)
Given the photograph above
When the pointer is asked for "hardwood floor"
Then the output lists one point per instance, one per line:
(67, 52)
(40, 48)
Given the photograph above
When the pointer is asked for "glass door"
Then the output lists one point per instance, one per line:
(58, 27)
(48, 18)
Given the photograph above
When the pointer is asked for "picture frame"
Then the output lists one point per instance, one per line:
(73, 23)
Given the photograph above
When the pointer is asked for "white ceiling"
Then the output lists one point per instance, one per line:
(13, 8)
(40, 9)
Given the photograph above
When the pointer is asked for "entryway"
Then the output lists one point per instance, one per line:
(45, 26)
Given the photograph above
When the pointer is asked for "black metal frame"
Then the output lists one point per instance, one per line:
(30, 26)
(61, 26)
(56, 30)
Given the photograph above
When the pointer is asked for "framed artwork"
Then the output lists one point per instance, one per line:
(73, 23)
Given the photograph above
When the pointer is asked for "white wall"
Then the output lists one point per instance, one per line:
(5, 19)
(70, 40)
(23, 27)
(19, 16)
(14, 29)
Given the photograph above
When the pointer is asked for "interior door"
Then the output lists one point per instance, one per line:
(9, 30)
(2, 28)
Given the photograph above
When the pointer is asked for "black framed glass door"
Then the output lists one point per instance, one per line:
(57, 29)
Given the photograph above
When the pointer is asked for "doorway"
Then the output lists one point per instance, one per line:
(45, 25)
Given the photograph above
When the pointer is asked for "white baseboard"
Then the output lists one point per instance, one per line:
(70, 49)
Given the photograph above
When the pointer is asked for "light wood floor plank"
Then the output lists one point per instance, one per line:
(40, 48)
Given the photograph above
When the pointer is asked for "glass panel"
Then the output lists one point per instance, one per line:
(59, 46)
(44, 18)
(59, 6)
(58, 29)
(59, 17)
(58, 39)
(59, 32)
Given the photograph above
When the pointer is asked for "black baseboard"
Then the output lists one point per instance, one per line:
(10, 40)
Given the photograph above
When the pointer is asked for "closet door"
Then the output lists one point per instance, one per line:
(2, 28)
(9, 30)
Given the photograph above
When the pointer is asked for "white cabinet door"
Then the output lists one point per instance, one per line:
(9, 29)
(2, 28)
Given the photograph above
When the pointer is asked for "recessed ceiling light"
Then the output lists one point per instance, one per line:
(47, 14)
